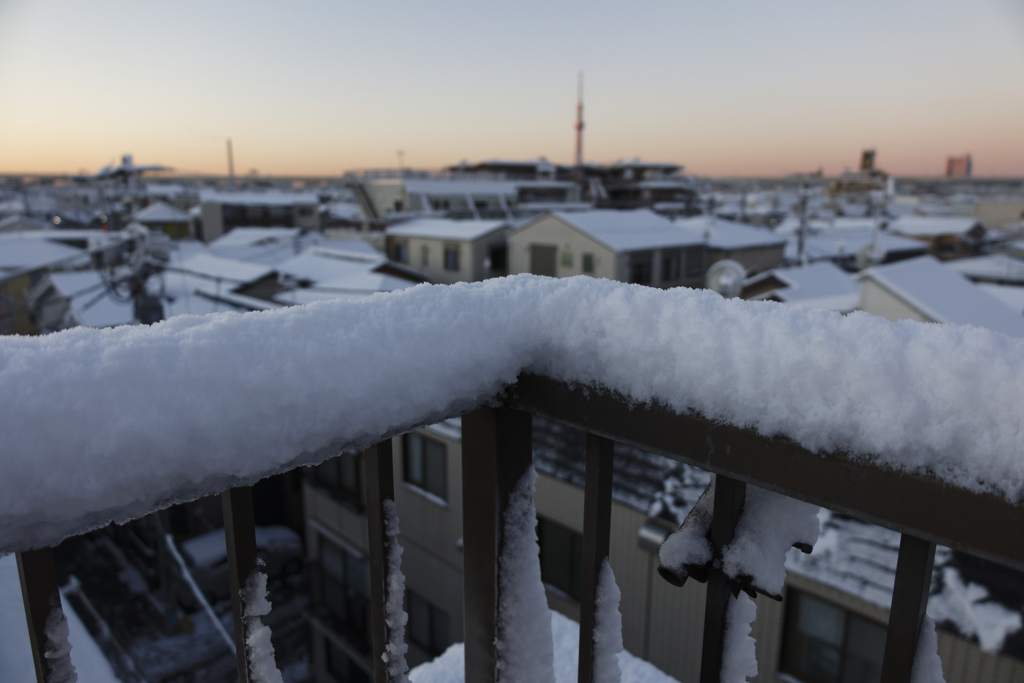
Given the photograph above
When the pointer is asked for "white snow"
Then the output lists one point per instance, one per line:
(689, 545)
(607, 627)
(446, 229)
(932, 226)
(820, 285)
(722, 234)
(394, 612)
(259, 650)
(152, 415)
(739, 659)
(968, 607)
(927, 665)
(769, 526)
(58, 649)
(633, 230)
(524, 641)
(160, 212)
(198, 594)
(226, 269)
(450, 666)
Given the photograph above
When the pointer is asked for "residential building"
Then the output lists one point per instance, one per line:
(450, 251)
(161, 217)
(842, 247)
(817, 285)
(998, 213)
(756, 249)
(637, 246)
(947, 236)
(926, 290)
(223, 211)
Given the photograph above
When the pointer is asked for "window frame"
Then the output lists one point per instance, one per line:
(439, 641)
(574, 573)
(353, 590)
(329, 477)
(424, 481)
(451, 257)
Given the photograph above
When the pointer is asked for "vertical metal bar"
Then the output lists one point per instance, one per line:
(496, 452)
(41, 594)
(240, 535)
(906, 613)
(380, 486)
(597, 521)
(730, 495)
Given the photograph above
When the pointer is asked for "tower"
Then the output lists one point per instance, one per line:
(579, 129)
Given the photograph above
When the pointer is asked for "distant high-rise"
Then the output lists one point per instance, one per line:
(867, 160)
(958, 167)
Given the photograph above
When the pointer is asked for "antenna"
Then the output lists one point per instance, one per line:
(579, 128)
(231, 164)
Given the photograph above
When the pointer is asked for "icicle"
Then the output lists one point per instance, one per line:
(607, 627)
(524, 642)
(259, 650)
(394, 613)
(58, 649)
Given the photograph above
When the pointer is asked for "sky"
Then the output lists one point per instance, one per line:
(318, 87)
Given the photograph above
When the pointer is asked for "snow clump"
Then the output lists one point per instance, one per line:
(259, 650)
(927, 665)
(739, 658)
(607, 627)
(394, 612)
(58, 649)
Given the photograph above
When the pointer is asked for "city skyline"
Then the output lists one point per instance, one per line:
(732, 89)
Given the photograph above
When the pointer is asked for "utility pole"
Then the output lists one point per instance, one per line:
(802, 230)
(579, 129)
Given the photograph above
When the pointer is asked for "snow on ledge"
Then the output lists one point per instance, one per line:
(102, 425)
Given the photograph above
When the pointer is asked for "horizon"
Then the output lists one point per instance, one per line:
(732, 90)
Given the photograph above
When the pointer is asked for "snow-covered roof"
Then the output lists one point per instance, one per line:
(346, 211)
(847, 242)
(323, 263)
(445, 229)
(932, 226)
(990, 268)
(1010, 295)
(219, 268)
(350, 385)
(267, 246)
(446, 188)
(729, 235)
(943, 295)
(624, 231)
(91, 303)
(19, 222)
(820, 285)
(159, 212)
(790, 225)
(267, 198)
(24, 251)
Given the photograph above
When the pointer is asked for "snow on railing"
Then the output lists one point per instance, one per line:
(117, 423)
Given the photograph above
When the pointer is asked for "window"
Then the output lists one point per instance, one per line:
(566, 258)
(425, 465)
(400, 252)
(561, 557)
(428, 624)
(640, 266)
(451, 257)
(342, 667)
(694, 262)
(425, 255)
(499, 257)
(826, 644)
(588, 263)
(672, 265)
(340, 477)
(345, 590)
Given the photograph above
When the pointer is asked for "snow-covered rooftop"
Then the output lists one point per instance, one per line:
(932, 226)
(632, 230)
(91, 303)
(729, 235)
(820, 285)
(24, 251)
(324, 263)
(445, 229)
(267, 198)
(846, 243)
(944, 295)
(1011, 295)
(990, 268)
(447, 188)
(159, 212)
(214, 402)
(219, 268)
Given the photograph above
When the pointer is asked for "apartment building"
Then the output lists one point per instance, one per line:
(450, 251)
(830, 625)
(224, 211)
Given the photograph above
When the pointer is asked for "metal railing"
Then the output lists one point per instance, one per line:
(497, 450)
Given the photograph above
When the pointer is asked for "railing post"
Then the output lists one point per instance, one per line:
(597, 520)
(730, 495)
(41, 595)
(380, 486)
(496, 452)
(240, 535)
(907, 610)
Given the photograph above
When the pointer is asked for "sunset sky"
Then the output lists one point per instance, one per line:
(731, 87)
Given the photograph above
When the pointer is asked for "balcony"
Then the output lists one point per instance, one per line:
(913, 427)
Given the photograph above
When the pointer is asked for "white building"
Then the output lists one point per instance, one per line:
(450, 251)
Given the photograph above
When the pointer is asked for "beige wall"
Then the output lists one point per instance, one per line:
(878, 300)
(471, 256)
(384, 194)
(995, 213)
(551, 231)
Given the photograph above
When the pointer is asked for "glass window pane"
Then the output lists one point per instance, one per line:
(435, 467)
(327, 473)
(356, 570)
(349, 476)
(414, 459)
(556, 555)
(332, 560)
(439, 630)
(865, 645)
(821, 620)
(419, 621)
(335, 599)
